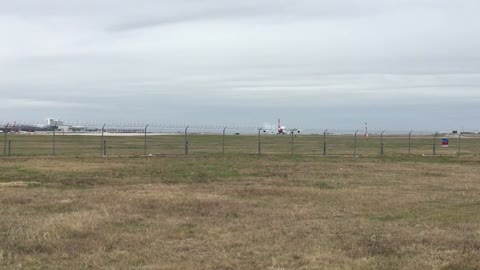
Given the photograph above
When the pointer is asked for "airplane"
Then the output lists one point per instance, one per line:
(281, 130)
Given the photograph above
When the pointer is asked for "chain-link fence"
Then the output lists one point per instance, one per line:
(135, 140)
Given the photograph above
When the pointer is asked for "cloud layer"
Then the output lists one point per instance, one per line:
(397, 64)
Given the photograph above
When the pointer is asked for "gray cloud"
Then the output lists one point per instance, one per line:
(320, 62)
(218, 13)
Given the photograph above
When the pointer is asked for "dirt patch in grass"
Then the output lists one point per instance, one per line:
(17, 184)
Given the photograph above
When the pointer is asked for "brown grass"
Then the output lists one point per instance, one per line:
(240, 212)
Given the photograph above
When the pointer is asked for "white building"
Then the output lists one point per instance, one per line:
(54, 122)
(64, 128)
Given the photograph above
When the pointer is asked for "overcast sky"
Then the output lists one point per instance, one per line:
(396, 64)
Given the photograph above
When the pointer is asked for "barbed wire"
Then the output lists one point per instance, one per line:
(214, 128)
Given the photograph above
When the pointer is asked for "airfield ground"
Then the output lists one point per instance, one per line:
(335, 145)
(240, 212)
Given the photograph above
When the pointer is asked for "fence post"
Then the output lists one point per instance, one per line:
(410, 142)
(325, 142)
(105, 148)
(355, 144)
(5, 131)
(259, 143)
(54, 141)
(186, 140)
(434, 143)
(381, 143)
(459, 141)
(102, 143)
(293, 139)
(223, 140)
(9, 147)
(145, 142)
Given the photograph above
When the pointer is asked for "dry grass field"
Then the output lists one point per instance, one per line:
(240, 212)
